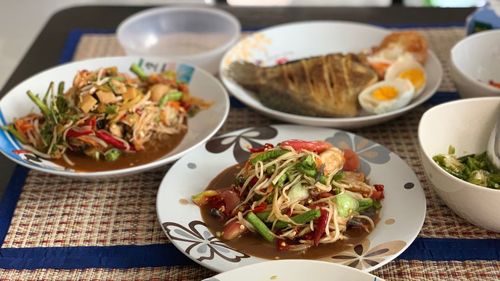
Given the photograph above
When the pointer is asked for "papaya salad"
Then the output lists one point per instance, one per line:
(105, 114)
(297, 195)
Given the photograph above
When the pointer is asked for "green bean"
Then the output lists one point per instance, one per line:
(49, 90)
(43, 107)
(260, 226)
(365, 204)
(267, 155)
(281, 180)
(60, 88)
(172, 96)
(300, 219)
(137, 70)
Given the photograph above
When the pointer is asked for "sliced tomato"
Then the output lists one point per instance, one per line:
(233, 230)
(351, 160)
(231, 200)
(299, 145)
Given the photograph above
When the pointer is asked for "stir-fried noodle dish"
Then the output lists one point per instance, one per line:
(298, 195)
(106, 114)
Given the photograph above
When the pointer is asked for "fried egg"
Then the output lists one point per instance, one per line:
(386, 96)
(407, 67)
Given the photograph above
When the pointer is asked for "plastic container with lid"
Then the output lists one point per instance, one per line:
(190, 34)
(484, 18)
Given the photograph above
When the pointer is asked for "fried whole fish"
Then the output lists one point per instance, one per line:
(323, 86)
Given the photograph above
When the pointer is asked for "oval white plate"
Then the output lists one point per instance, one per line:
(294, 270)
(401, 217)
(302, 40)
(200, 128)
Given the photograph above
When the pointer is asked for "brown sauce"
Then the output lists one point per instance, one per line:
(253, 244)
(154, 150)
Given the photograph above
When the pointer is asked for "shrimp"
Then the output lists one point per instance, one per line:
(333, 159)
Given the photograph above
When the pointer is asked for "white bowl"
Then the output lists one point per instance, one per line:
(466, 125)
(200, 128)
(194, 35)
(475, 60)
(294, 270)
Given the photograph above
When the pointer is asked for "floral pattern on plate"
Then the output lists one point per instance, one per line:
(242, 142)
(202, 244)
(367, 150)
(361, 256)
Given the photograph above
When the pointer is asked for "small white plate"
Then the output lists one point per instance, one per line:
(401, 217)
(294, 270)
(306, 39)
(200, 128)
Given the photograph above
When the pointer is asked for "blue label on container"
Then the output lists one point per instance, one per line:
(184, 73)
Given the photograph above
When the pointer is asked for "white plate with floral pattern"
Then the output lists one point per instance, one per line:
(401, 216)
(292, 41)
(294, 270)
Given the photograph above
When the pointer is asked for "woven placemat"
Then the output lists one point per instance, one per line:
(55, 211)
(396, 270)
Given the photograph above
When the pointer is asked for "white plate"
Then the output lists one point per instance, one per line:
(302, 40)
(294, 270)
(200, 128)
(401, 217)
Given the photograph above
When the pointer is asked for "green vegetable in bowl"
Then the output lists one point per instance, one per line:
(474, 168)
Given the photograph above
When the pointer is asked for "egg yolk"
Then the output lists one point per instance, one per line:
(415, 75)
(385, 93)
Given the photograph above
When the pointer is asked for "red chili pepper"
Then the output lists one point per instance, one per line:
(253, 181)
(109, 139)
(185, 105)
(262, 148)
(260, 208)
(21, 151)
(74, 133)
(320, 227)
(379, 187)
(92, 121)
(378, 194)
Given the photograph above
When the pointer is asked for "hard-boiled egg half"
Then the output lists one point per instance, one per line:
(407, 67)
(383, 59)
(386, 96)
